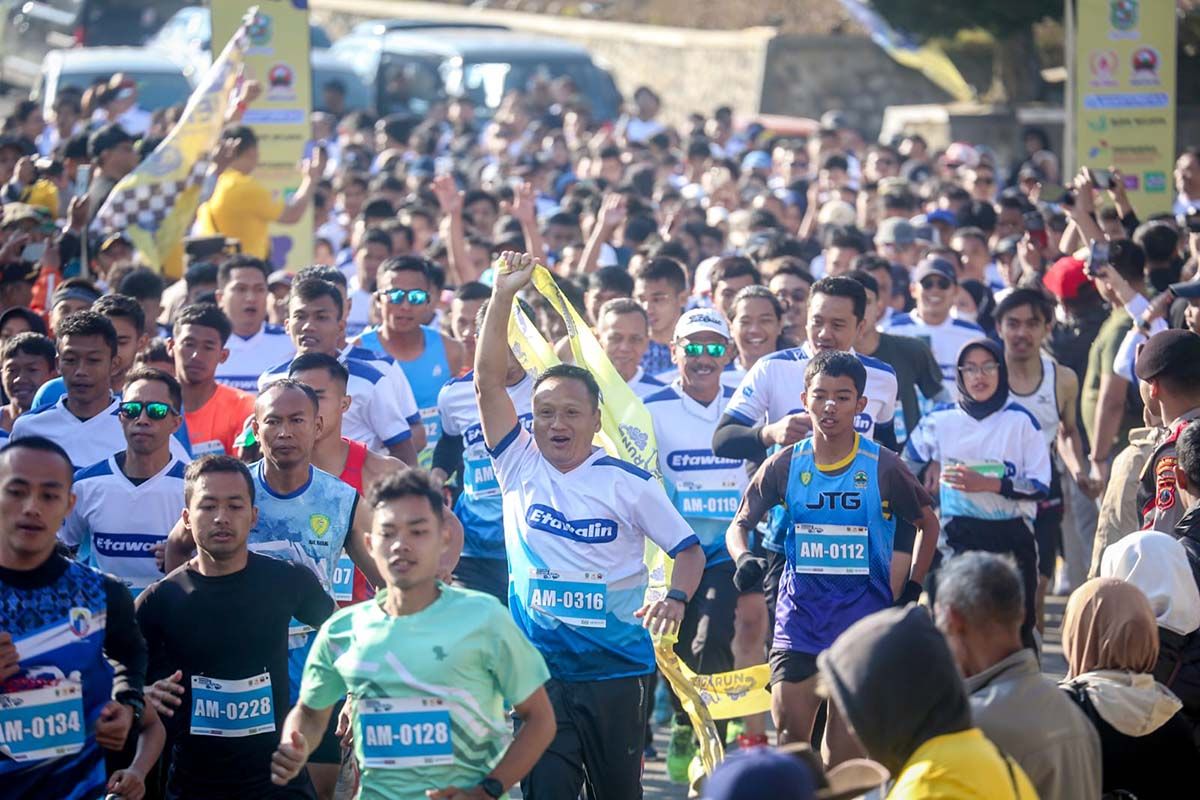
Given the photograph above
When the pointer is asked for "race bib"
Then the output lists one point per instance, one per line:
(211, 447)
(397, 733)
(343, 580)
(830, 549)
(42, 723)
(479, 479)
(574, 598)
(232, 709)
(719, 504)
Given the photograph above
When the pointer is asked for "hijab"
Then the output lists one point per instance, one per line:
(1157, 564)
(982, 408)
(1109, 625)
(1110, 639)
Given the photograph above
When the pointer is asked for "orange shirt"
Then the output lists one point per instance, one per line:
(213, 427)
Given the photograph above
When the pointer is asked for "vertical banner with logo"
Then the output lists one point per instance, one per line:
(1124, 87)
(278, 58)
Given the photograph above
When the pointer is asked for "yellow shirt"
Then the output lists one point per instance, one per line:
(240, 208)
(961, 766)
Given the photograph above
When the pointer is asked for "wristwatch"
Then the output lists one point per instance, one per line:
(677, 594)
(492, 787)
(136, 703)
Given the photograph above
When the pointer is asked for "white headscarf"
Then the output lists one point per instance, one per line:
(1157, 564)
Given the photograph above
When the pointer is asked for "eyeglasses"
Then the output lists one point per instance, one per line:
(936, 283)
(414, 297)
(793, 296)
(714, 349)
(973, 370)
(155, 411)
(984, 179)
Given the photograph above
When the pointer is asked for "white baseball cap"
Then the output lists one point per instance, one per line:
(700, 320)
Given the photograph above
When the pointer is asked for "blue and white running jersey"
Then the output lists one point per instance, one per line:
(838, 548)
(116, 524)
(426, 375)
(705, 488)
(945, 339)
(642, 384)
(87, 441)
(251, 356)
(307, 527)
(576, 544)
(772, 387)
(382, 409)
(62, 674)
(657, 359)
(1008, 443)
(480, 508)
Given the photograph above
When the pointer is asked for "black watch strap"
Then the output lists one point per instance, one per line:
(492, 787)
(677, 594)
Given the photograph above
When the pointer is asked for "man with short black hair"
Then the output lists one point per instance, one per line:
(215, 412)
(27, 360)
(144, 475)
(255, 345)
(372, 250)
(129, 321)
(661, 286)
(979, 609)
(217, 631)
(69, 644)
(623, 330)
(84, 419)
(111, 149)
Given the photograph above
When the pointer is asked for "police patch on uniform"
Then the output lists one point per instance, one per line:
(806, 477)
(319, 524)
(1164, 481)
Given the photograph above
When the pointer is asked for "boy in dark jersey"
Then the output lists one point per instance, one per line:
(855, 509)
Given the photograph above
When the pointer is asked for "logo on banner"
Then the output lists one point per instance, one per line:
(279, 83)
(1103, 64)
(1144, 65)
(260, 30)
(1124, 16)
(1155, 182)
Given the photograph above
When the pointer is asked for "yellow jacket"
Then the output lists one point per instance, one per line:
(961, 766)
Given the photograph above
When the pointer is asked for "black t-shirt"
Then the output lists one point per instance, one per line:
(915, 367)
(230, 627)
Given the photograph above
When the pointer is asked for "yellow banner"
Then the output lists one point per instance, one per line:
(156, 203)
(1124, 85)
(277, 57)
(627, 432)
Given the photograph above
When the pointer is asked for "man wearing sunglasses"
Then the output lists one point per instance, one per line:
(428, 357)
(143, 476)
(383, 413)
(706, 490)
(934, 286)
(84, 420)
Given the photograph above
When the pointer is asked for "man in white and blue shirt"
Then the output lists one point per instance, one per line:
(382, 411)
(484, 565)
(705, 488)
(145, 476)
(575, 522)
(84, 420)
(255, 345)
(934, 286)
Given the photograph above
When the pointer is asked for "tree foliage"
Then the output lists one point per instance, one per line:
(924, 19)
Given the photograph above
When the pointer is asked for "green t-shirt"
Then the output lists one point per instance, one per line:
(1101, 356)
(430, 689)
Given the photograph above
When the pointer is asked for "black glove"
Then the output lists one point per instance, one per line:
(750, 571)
(911, 593)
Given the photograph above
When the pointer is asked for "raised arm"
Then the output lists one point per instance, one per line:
(496, 412)
(451, 201)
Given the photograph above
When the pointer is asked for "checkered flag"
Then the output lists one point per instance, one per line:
(156, 203)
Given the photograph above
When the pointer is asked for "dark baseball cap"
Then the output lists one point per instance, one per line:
(1165, 352)
(107, 138)
(1186, 289)
(19, 272)
(934, 266)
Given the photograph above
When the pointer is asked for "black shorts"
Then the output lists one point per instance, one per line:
(488, 575)
(1047, 528)
(791, 666)
(329, 750)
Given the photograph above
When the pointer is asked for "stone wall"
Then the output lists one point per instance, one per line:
(807, 75)
(752, 70)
